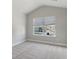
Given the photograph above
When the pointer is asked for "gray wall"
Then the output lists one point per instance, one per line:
(18, 25)
(61, 19)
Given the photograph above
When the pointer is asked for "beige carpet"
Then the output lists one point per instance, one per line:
(30, 50)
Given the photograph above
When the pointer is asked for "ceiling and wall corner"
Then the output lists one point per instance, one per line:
(25, 6)
(22, 7)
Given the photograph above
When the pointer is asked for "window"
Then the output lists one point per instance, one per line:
(44, 26)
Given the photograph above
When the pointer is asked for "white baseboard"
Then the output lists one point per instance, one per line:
(18, 43)
(50, 43)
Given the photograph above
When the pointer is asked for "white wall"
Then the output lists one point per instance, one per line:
(19, 7)
(61, 19)
(19, 25)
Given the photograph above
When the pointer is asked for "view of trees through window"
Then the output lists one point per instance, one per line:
(44, 26)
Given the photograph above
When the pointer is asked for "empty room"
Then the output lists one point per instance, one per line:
(39, 29)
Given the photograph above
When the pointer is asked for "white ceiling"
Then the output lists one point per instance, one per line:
(26, 6)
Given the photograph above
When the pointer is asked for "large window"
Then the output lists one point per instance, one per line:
(44, 26)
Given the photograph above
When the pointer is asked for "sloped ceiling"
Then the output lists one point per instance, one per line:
(22, 7)
(25, 6)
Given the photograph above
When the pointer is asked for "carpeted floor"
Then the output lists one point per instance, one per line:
(31, 50)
